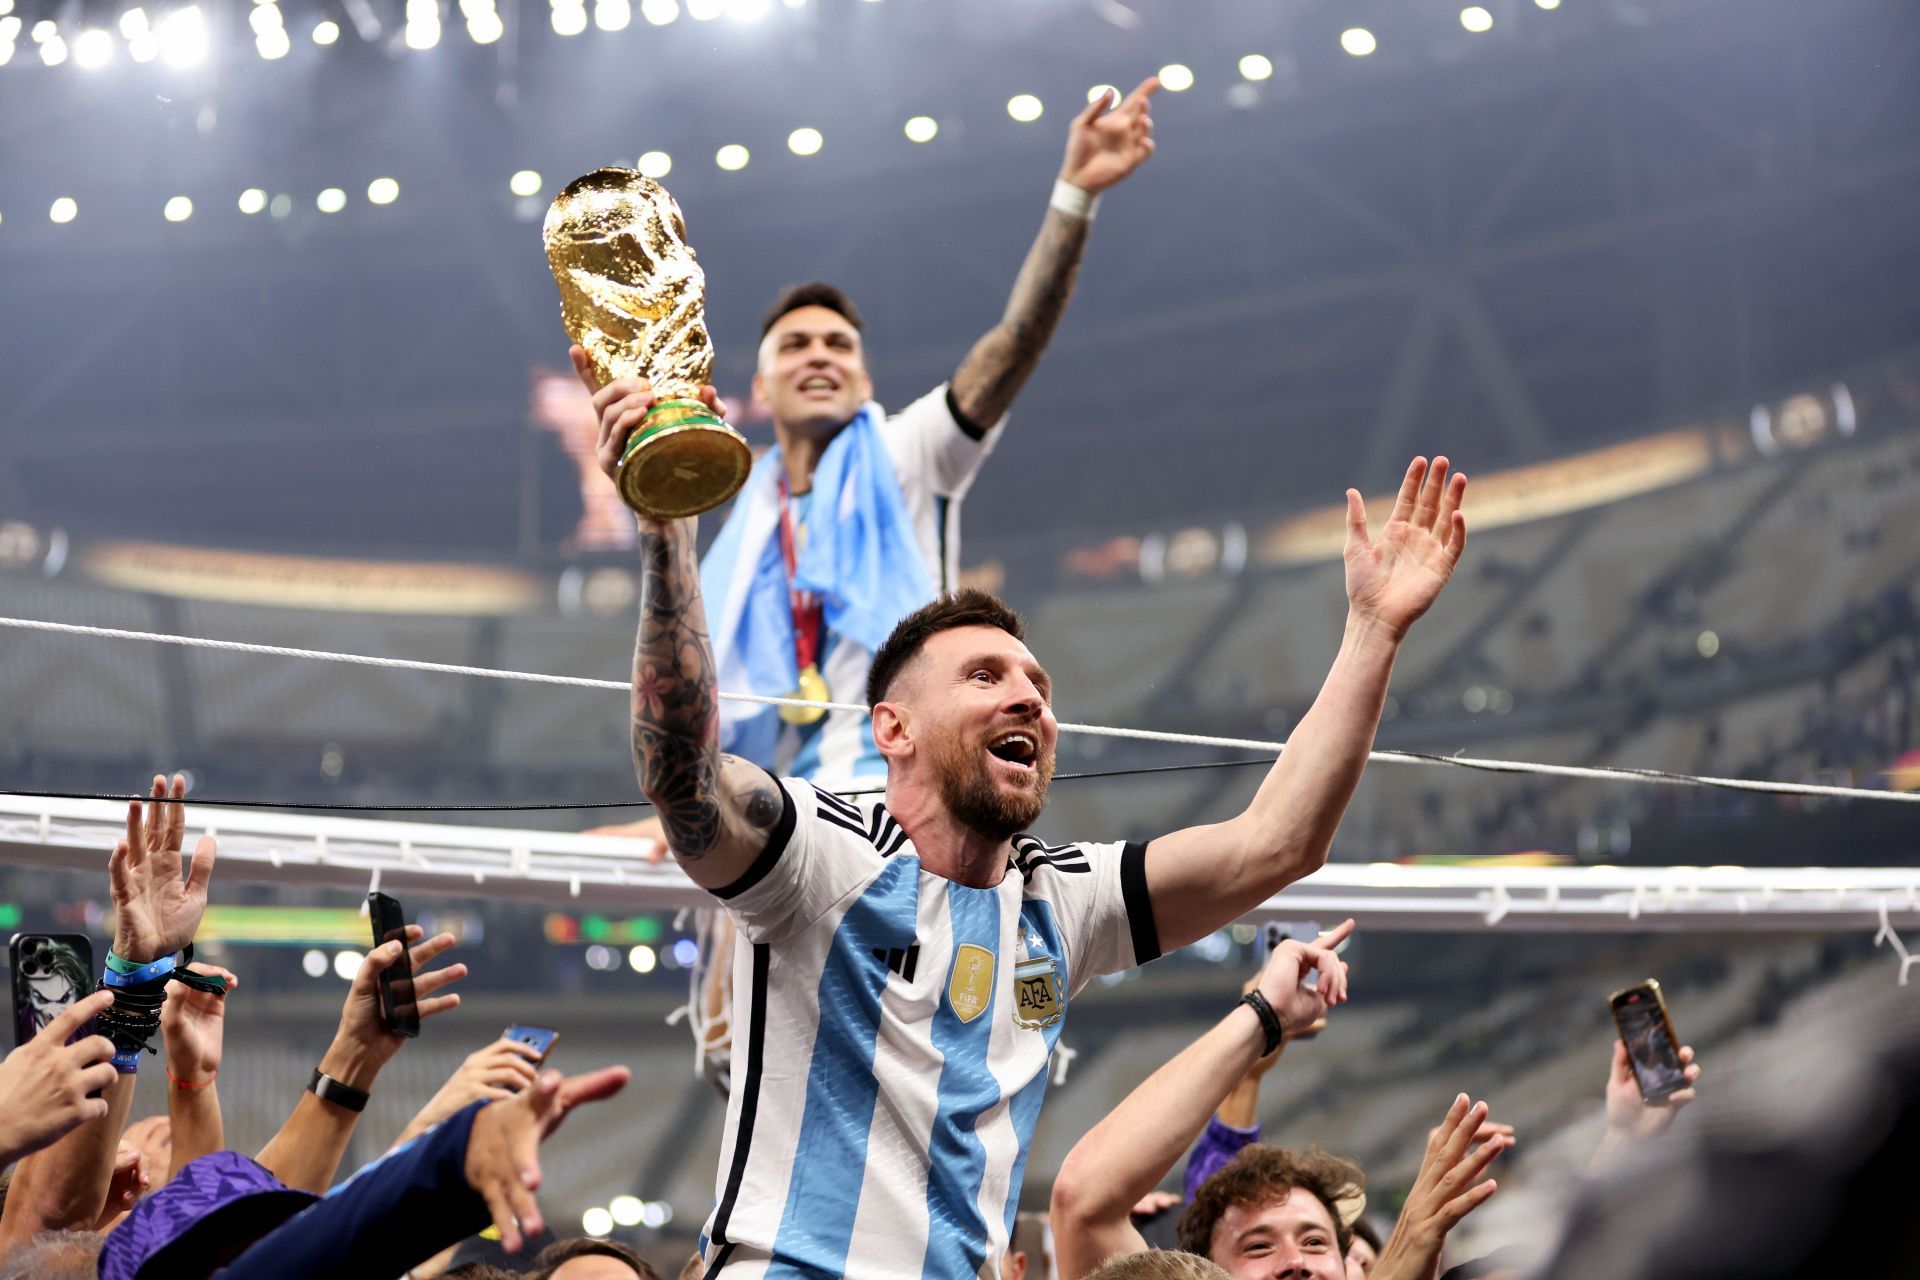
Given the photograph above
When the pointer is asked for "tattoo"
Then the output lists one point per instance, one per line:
(1000, 363)
(676, 722)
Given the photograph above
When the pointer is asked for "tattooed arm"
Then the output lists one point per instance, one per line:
(716, 809)
(1103, 147)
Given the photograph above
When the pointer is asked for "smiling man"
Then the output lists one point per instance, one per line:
(902, 970)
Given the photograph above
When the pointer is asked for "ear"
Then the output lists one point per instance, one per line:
(892, 730)
(759, 388)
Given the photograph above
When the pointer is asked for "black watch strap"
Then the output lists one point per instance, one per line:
(327, 1089)
(1269, 1020)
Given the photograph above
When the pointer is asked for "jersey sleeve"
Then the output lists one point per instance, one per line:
(1099, 896)
(933, 446)
(816, 854)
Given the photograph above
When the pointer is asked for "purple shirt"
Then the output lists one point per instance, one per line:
(1219, 1144)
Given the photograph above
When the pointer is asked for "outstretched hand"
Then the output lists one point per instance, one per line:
(621, 407)
(503, 1150)
(1447, 1188)
(155, 910)
(1107, 142)
(361, 1024)
(1395, 578)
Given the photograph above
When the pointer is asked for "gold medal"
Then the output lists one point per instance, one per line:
(813, 688)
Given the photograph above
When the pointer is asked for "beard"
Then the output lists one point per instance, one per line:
(971, 793)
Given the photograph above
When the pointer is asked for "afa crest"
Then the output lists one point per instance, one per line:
(1038, 1000)
(970, 988)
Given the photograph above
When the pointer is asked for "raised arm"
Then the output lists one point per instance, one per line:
(1203, 877)
(1127, 1154)
(716, 809)
(1104, 145)
(306, 1153)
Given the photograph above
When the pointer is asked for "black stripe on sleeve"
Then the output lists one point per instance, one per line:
(973, 430)
(777, 840)
(1133, 891)
(749, 1100)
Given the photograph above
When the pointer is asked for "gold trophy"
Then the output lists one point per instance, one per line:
(632, 294)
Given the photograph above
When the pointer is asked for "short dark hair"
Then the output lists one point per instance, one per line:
(1364, 1229)
(815, 293)
(586, 1247)
(967, 607)
(1261, 1174)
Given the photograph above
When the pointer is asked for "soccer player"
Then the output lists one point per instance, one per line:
(903, 968)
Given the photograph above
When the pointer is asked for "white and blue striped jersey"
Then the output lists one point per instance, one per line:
(891, 1032)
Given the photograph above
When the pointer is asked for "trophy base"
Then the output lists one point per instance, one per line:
(682, 461)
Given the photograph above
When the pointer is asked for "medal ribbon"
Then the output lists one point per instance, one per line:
(807, 609)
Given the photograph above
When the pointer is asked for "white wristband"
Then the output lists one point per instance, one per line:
(1072, 201)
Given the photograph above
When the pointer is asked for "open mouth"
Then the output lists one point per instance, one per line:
(818, 383)
(1018, 748)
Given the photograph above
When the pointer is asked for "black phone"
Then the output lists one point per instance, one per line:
(1653, 1050)
(398, 1008)
(50, 971)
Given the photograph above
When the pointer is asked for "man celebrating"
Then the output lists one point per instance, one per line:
(903, 970)
(804, 591)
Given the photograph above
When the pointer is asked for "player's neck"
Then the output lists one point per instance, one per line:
(800, 449)
(947, 847)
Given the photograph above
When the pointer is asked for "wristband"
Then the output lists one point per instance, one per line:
(327, 1089)
(137, 976)
(198, 1084)
(1269, 1020)
(1073, 201)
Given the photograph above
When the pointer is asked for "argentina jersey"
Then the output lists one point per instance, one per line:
(891, 1036)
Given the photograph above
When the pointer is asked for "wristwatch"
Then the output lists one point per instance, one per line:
(327, 1089)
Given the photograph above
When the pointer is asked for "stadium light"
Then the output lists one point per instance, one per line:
(922, 129)
(486, 29)
(1476, 19)
(655, 164)
(626, 1211)
(252, 200)
(597, 1222)
(1256, 66)
(53, 51)
(732, 157)
(184, 42)
(330, 200)
(1176, 78)
(45, 30)
(641, 958)
(314, 963)
(326, 33)
(143, 46)
(747, 10)
(65, 209)
(93, 49)
(1025, 108)
(383, 191)
(1107, 91)
(178, 209)
(569, 18)
(705, 10)
(6, 52)
(1548, 4)
(1358, 41)
(805, 142)
(281, 206)
(659, 12)
(612, 15)
(346, 964)
(274, 45)
(525, 183)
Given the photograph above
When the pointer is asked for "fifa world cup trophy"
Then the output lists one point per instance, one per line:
(632, 294)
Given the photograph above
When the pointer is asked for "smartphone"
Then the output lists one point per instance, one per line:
(50, 971)
(397, 1006)
(1653, 1050)
(539, 1038)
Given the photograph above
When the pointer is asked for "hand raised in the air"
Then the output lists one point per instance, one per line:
(1108, 142)
(1395, 578)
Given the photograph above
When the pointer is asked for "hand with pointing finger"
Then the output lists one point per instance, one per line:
(1108, 141)
(1283, 982)
(46, 1082)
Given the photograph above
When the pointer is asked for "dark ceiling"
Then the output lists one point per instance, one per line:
(1579, 226)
